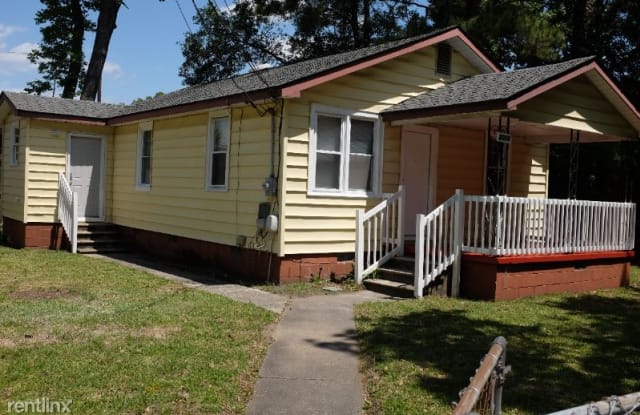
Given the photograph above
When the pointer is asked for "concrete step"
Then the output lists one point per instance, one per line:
(392, 288)
(100, 249)
(99, 237)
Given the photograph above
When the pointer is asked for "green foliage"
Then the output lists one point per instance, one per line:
(59, 57)
(275, 32)
(148, 97)
(227, 41)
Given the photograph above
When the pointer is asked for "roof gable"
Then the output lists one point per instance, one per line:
(507, 91)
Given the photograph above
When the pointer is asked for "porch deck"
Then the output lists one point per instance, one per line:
(500, 247)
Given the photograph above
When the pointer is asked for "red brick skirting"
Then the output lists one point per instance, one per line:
(509, 277)
(242, 263)
(32, 235)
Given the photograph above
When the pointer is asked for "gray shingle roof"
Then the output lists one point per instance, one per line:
(253, 82)
(488, 87)
(64, 107)
(274, 77)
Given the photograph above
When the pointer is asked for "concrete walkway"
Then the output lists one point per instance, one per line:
(269, 301)
(313, 367)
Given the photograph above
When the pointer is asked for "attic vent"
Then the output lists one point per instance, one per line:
(443, 61)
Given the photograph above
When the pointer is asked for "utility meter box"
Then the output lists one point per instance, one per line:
(266, 220)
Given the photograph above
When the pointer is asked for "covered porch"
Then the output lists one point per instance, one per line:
(500, 236)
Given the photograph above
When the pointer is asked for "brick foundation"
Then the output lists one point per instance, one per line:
(33, 235)
(506, 278)
(244, 263)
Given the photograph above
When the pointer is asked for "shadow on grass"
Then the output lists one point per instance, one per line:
(582, 349)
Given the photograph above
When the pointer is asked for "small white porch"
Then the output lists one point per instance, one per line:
(535, 230)
(477, 124)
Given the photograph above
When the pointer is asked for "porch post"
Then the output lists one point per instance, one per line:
(74, 222)
(359, 257)
(458, 230)
(400, 218)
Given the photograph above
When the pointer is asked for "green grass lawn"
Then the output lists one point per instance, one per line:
(565, 350)
(120, 341)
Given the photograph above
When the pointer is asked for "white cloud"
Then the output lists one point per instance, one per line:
(112, 69)
(15, 60)
(8, 30)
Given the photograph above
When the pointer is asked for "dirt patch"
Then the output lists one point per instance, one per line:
(111, 332)
(42, 294)
(28, 340)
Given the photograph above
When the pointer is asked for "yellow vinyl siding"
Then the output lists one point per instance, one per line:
(319, 224)
(178, 203)
(528, 169)
(47, 156)
(461, 160)
(13, 183)
(576, 105)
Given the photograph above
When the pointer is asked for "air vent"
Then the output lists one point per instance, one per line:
(443, 61)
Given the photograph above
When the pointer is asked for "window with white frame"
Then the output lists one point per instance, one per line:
(218, 153)
(145, 148)
(344, 152)
(15, 146)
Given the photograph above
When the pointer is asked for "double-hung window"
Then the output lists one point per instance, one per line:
(15, 146)
(345, 151)
(218, 153)
(145, 148)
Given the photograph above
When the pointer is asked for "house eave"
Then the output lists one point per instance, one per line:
(196, 106)
(61, 118)
(414, 116)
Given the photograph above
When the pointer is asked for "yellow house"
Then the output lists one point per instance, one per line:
(308, 168)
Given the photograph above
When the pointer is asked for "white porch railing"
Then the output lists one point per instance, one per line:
(438, 242)
(68, 211)
(501, 225)
(379, 234)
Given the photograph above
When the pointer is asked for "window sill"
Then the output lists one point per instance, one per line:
(216, 188)
(143, 187)
(344, 195)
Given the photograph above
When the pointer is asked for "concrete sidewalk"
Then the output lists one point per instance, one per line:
(313, 366)
(269, 301)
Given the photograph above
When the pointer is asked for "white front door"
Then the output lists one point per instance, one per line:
(418, 170)
(85, 175)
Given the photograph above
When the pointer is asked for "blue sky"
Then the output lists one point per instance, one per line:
(144, 55)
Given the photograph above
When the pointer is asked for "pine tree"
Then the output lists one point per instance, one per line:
(59, 56)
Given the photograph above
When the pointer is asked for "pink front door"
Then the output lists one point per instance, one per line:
(417, 173)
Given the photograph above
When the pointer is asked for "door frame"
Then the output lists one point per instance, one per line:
(103, 159)
(433, 159)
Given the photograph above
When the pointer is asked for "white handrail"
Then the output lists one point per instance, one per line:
(501, 225)
(379, 234)
(438, 244)
(68, 211)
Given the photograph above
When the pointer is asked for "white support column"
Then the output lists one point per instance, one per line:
(400, 219)
(359, 257)
(418, 283)
(458, 236)
(74, 222)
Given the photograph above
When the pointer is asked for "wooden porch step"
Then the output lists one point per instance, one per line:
(395, 274)
(392, 288)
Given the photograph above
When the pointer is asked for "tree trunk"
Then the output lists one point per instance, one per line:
(76, 57)
(366, 24)
(578, 41)
(106, 26)
(353, 22)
